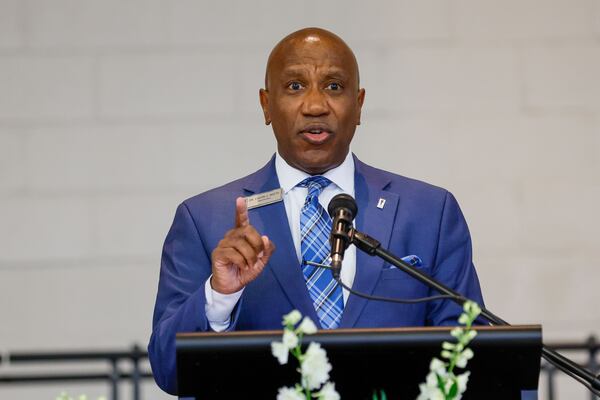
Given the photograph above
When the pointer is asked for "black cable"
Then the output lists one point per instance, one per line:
(393, 300)
(491, 317)
(380, 298)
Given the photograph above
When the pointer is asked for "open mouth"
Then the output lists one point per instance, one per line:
(316, 135)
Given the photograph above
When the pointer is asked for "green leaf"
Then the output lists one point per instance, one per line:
(381, 393)
(440, 383)
(453, 391)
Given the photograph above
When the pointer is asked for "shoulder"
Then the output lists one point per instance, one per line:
(418, 201)
(408, 189)
(224, 196)
(215, 195)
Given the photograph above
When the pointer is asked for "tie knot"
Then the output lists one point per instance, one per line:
(315, 184)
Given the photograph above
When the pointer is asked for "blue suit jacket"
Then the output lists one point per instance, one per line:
(417, 218)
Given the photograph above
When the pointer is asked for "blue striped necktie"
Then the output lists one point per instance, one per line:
(315, 226)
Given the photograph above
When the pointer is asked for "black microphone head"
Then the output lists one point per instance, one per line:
(342, 200)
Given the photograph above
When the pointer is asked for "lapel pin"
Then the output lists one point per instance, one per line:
(381, 203)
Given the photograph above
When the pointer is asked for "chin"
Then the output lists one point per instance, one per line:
(316, 167)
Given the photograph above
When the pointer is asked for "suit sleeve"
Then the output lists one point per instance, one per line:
(453, 265)
(181, 300)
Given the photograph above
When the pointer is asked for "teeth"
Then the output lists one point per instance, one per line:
(315, 131)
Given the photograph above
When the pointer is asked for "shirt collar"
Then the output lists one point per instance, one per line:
(342, 175)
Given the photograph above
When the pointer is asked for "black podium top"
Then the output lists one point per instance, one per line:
(240, 365)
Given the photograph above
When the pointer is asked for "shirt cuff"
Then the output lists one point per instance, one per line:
(219, 307)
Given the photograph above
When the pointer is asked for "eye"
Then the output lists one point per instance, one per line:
(295, 86)
(334, 86)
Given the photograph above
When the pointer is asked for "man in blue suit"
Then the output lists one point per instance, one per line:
(225, 267)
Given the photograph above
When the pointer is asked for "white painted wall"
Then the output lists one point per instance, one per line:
(112, 112)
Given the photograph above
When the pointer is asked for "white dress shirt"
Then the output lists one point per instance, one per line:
(219, 306)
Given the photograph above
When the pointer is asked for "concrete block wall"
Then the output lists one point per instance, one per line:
(112, 112)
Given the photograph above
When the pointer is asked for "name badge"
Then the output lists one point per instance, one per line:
(264, 199)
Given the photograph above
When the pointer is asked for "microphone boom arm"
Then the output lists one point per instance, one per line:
(373, 247)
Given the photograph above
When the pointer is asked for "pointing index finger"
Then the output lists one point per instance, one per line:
(241, 213)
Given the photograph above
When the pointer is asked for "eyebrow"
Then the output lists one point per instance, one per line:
(332, 72)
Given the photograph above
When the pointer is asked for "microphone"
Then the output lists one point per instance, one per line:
(342, 209)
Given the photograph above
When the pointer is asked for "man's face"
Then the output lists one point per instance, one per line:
(313, 101)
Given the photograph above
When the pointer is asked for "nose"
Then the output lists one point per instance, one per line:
(315, 103)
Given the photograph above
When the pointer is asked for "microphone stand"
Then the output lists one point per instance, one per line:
(372, 247)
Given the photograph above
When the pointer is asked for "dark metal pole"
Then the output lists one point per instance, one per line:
(135, 376)
(592, 344)
(550, 387)
(114, 379)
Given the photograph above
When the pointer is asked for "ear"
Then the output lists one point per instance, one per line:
(263, 96)
(360, 100)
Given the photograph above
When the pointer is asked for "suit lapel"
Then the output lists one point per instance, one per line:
(369, 187)
(271, 220)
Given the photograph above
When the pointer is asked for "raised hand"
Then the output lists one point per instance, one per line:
(241, 255)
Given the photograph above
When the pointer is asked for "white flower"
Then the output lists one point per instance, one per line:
(461, 381)
(448, 346)
(287, 393)
(290, 340)
(448, 384)
(456, 332)
(471, 335)
(328, 392)
(432, 379)
(465, 356)
(463, 319)
(307, 326)
(472, 308)
(292, 318)
(438, 366)
(280, 352)
(315, 366)
(430, 393)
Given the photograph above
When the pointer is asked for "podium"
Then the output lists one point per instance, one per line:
(239, 365)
